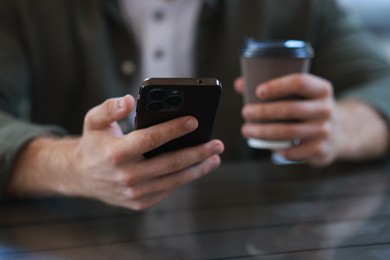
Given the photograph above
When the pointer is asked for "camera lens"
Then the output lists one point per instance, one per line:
(173, 101)
(155, 105)
(156, 94)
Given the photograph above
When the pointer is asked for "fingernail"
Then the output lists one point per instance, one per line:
(215, 147)
(248, 131)
(218, 149)
(215, 162)
(248, 111)
(121, 103)
(262, 91)
(191, 124)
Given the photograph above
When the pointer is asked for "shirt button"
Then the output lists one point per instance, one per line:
(128, 67)
(158, 15)
(158, 54)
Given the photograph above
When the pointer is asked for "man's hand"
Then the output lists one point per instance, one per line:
(327, 130)
(105, 164)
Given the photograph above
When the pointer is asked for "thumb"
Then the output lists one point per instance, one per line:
(112, 110)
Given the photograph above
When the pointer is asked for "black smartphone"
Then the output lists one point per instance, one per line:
(163, 99)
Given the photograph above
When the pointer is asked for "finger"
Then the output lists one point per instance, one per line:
(148, 201)
(173, 181)
(287, 131)
(122, 200)
(144, 140)
(315, 152)
(239, 85)
(287, 110)
(304, 85)
(168, 163)
(112, 110)
(184, 158)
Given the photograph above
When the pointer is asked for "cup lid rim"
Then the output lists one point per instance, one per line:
(277, 48)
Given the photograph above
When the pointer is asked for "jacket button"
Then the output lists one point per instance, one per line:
(128, 67)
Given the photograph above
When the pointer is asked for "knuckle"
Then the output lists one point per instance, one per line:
(319, 149)
(129, 193)
(148, 140)
(108, 106)
(176, 163)
(127, 180)
(328, 88)
(135, 193)
(104, 109)
(114, 159)
(138, 206)
(299, 80)
(175, 128)
(322, 130)
(327, 110)
(326, 130)
(89, 116)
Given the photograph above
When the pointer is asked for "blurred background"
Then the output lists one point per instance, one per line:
(376, 14)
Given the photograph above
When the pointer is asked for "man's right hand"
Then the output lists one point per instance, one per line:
(107, 165)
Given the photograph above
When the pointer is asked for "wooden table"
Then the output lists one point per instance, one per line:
(242, 211)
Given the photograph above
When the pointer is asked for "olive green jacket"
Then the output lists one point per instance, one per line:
(59, 58)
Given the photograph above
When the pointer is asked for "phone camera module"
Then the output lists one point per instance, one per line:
(155, 105)
(173, 101)
(156, 94)
(166, 99)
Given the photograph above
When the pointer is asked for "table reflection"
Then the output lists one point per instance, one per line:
(243, 210)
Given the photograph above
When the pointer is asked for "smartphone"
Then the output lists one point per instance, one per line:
(163, 99)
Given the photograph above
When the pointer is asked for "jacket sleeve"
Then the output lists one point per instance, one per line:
(15, 130)
(351, 58)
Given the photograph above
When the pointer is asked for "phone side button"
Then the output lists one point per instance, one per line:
(135, 122)
(136, 108)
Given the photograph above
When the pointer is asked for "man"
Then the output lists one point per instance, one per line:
(58, 59)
